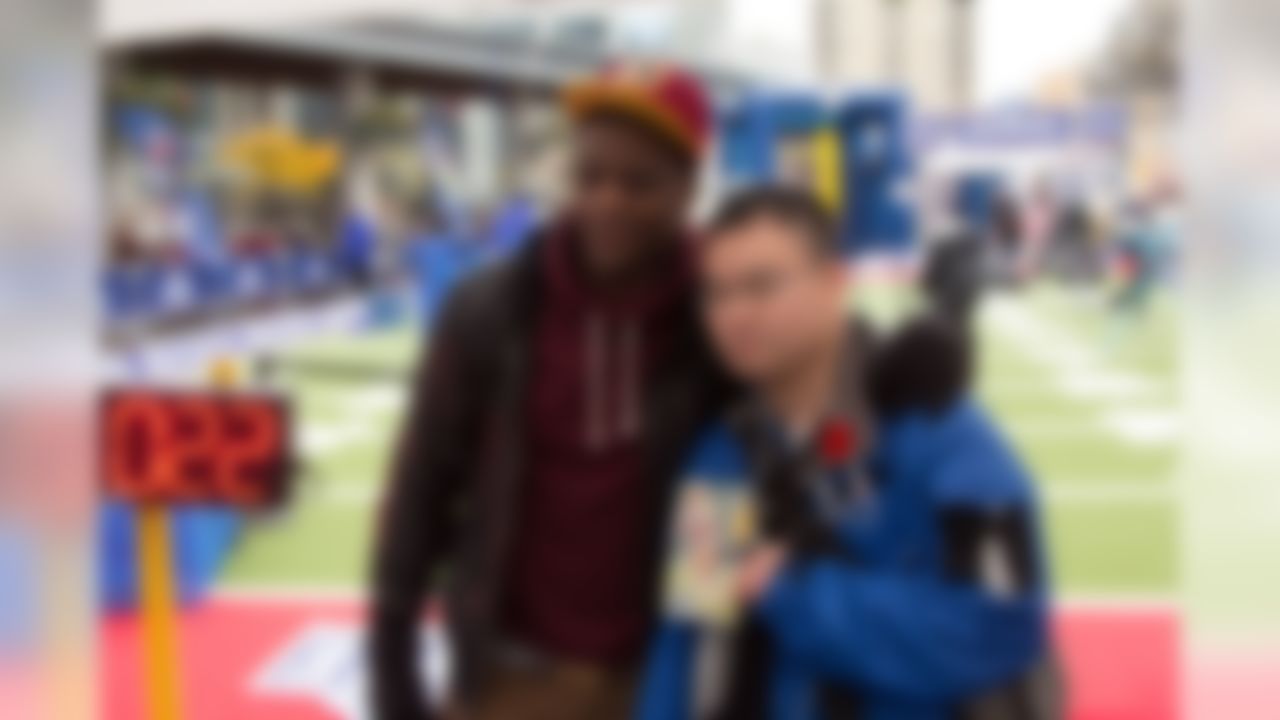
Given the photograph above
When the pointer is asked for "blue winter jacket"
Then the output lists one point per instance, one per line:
(897, 627)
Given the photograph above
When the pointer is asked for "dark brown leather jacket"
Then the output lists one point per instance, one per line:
(447, 520)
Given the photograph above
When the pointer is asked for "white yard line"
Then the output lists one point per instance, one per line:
(1043, 344)
(1135, 428)
(382, 400)
(361, 494)
(1047, 427)
(1108, 493)
(1134, 425)
(1097, 383)
(1136, 409)
(1146, 426)
(327, 438)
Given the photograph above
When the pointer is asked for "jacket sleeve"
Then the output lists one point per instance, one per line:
(944, 635)
(418, 513)
(666, 690)
(897, 635)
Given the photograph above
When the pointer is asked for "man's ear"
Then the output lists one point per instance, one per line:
(924, 365)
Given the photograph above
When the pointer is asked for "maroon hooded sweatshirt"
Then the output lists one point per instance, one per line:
(578, 585)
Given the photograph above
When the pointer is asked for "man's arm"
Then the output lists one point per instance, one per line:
(418, 513)
(899, 635)
(975, 623)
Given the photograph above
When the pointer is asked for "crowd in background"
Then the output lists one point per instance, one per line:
(1125, 249)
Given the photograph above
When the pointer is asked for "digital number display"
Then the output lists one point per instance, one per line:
(179, 447)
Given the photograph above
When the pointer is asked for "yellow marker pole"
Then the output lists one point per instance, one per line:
(162, 672)
(162, 667)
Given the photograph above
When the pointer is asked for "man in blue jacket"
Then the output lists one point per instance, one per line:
(887, 562)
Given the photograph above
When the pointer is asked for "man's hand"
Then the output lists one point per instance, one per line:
(924, 365)
(758, 571)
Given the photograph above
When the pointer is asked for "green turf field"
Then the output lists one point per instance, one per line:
(1090, 404)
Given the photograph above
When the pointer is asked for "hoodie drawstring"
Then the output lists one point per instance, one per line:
(601, 428)
(629, 410)
(593, 415)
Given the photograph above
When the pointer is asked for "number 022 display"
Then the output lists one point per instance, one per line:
(180, 447)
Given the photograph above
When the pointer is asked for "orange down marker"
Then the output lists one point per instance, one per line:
(162, 674)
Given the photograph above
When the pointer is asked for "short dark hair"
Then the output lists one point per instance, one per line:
(791, 206)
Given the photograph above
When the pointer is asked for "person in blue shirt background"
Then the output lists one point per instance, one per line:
(894, 568)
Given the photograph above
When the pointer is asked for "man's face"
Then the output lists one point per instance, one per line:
(629, 194)
(770, 298)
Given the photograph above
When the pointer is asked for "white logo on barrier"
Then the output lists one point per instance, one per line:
(326, 662)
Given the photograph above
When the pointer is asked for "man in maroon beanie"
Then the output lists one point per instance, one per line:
(562, 391)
